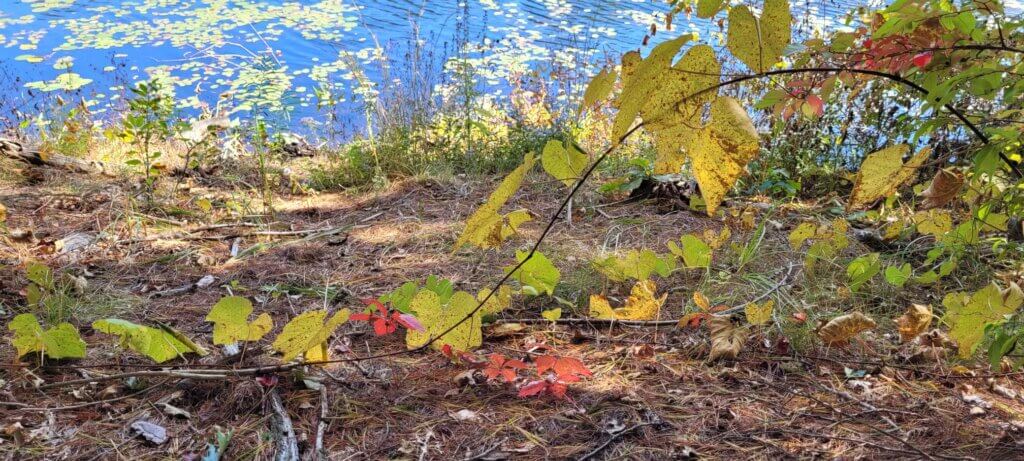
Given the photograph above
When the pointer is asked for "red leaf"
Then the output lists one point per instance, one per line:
(558, 389)
(509, 374)
(922, 59)
(267, 380)
(799, 317)
(533, 388)
(360, 316)
(816, 102)
(568, 366)
(545, 363)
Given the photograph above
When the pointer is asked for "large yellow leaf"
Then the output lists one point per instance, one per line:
(967, 314)
(636, 265)
(843, 328)
(759, 43)
(565, 164)
(230, 321)
(644, 80)
(722, 150)
(307, 334)
(484, 227)
(436, 319)
(882, 173)
(934, 222)
(672, 122)
(641, 304)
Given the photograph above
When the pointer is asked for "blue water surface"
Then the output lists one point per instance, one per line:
(296, 60)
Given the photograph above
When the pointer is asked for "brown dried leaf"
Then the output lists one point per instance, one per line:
(944, 189)
(726, 338)
(841, 329)
(915, 321)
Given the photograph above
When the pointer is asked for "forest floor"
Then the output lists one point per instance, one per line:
(653, 394)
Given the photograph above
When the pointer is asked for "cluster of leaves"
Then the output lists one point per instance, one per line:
(552, 373)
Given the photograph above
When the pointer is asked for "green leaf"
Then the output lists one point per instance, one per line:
(154, 343)
(39, 274)
(898, 276)
(694, 253)
(636, 265)
(58, 342)
(401, 297)
(968, 314)
(862, 269)
(1001, 345)
(564, 164)
(230, 321)
(537, 272)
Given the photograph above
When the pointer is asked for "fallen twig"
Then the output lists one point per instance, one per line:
(615, 437)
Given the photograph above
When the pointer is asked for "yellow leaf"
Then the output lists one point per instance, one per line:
(599, 88)
(155, 343)
(57, 342)
(727, 338)
(715, 241)
(934, 222)
(644, 80)
(600, 308)
(3, 213)
(641, 304)
(843, 328)
(307, 333)
(672, 123)
(701, 301)
(722, 150)
(637, 265)
(883, 172)
(759, 43)
(799, 235)
(759, 314)
(967, 314)
(499, 302)
(484, 226)
(565, 164)
(915, 321)
(436, 319)
(552, 314)
(513, 220)
(230, 321)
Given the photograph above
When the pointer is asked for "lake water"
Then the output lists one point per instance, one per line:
(295, 60)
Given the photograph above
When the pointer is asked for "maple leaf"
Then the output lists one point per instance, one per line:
(57, 342)
(230, 325)
(155, 343)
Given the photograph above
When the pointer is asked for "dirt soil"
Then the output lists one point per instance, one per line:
(653, 394)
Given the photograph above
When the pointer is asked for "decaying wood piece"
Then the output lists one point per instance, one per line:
(284, 434)
(16, 150)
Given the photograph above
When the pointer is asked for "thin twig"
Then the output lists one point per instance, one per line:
(615, 437)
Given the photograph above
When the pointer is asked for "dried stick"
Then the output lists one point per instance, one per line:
(284, 433)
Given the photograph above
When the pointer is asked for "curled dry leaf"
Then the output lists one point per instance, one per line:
(726, 338)
(944, 189)
(843, 328)
(915, 321)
